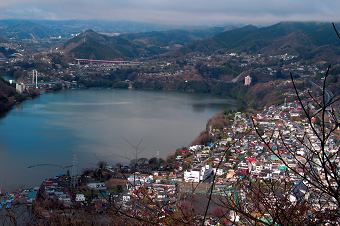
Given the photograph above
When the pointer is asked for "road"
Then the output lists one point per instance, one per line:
(328, 94)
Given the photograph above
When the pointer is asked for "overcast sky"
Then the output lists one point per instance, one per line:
(176, 12)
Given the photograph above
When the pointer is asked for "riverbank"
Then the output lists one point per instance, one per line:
(9, 96)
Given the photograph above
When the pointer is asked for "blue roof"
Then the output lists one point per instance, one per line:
(31, 195)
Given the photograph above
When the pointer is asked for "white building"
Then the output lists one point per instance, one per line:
(219, 171)
(65, 198)
(192, 176)
(126, 197)
(96, 186)
(198, 174)
(247, 80)
(80, 198)
(20, 88)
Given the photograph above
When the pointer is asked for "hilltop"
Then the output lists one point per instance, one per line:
(91, 45)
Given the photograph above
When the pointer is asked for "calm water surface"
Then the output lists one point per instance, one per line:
(97, 125)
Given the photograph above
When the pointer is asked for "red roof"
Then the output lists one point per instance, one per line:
(252, 160)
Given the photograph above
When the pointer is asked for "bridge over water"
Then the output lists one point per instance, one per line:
(42, 83)
(88, 61)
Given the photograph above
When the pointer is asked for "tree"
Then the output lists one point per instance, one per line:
(119, 165)
(86, 171)
(100, 174)
(19, 97)
(143, 161)
(101, 164)
(161, 161)
(41, 194)
(153, 161)
(119, 188)
(218, 212)
(254, 79)
(278, 74)
(134, 163)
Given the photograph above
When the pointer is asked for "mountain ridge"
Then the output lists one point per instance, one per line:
(268, 40)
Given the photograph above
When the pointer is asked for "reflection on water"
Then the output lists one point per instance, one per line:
(204, 106)
(96, 125)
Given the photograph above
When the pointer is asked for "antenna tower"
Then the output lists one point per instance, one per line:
(35, 74)
(74, 171)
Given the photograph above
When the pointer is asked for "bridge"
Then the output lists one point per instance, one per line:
(42, 83)
(88, 61)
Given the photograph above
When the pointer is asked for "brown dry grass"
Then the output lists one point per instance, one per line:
(113, 182)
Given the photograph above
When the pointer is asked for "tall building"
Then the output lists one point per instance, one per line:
(20, 88)
(247, 80)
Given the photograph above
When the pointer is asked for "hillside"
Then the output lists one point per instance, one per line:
(3, 40)
(6, 96)
(97, 46)
(297, 38)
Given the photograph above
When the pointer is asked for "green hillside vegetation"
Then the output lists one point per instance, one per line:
(216, 72)
(170, 37)
(7, 52)
(94, 50)
(7, 94)
(224, 40)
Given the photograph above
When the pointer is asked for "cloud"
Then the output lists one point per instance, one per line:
(188, 12)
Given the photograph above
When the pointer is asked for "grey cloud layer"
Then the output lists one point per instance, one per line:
(175, 11)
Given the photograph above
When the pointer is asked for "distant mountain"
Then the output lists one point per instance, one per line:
(300, 38)
(91, 45)
(27, 30)
(122, 27)
(65, 28)
(3, 25)
(173, 39)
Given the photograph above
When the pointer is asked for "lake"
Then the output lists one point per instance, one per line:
(98, 124)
